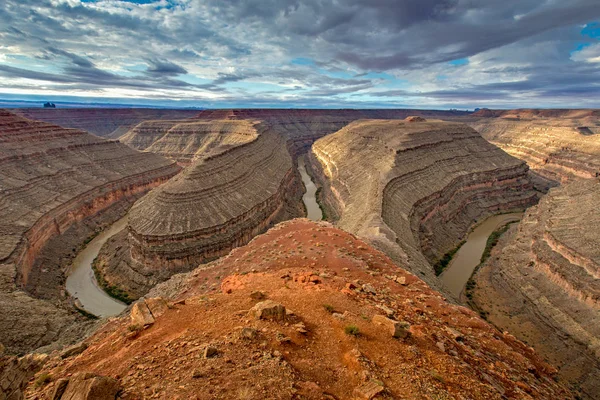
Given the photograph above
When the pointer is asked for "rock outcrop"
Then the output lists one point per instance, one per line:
(543, 283)
(415, 188)
(206, 345)
(185, 141)
(218, 203)
(52, 180)
(558, 145)
(105, 122)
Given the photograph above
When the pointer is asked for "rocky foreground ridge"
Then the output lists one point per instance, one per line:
(544, 283)
(105, 122)
(558, 145)
(303, 311)
(415, 187)
(56, 186)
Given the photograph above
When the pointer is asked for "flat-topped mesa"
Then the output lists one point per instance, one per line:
(186, 141)
(216, 204)
(558, 145)
(301, 127)
(415, 188)
(546, 276)
(52, 178)
(105, 122)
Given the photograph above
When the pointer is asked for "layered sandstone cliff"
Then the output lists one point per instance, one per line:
(218, 203)
(105, 122)
(304, 311)
(414, 188)
(546, 278)
(51, 179)
(186, 141)
(558, 145)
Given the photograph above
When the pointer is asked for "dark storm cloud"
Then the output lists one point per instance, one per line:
(164, 67)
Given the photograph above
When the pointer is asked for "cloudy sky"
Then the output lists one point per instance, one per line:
(312, 53)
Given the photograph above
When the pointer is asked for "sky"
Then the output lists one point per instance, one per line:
(438, 54)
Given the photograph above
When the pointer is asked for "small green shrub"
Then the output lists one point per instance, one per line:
(43, 379)
(329, 308)
(352, 330)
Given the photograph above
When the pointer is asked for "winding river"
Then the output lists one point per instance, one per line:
(310, 196)
(81, 282)
(468, 257)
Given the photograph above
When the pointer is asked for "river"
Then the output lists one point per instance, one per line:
(468, 257)
(81, 282)
(313, 210)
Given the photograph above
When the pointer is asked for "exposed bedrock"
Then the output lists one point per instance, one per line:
(51, 180)
(543, 283)
(186, 141)
(105, 122)
(558, 145)
(216, 204)
(415, 188)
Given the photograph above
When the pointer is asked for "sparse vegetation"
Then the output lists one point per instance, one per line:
(43, 379)
(489, 245)
(111, 290)
(443, 262)
(329, 308)
(352, 330)
(436, 375)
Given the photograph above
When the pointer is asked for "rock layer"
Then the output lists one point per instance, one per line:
(51, 179)
(207, 345)
(547, 278)
(186, 141)
(105, 122)
(558, 145)
(414, 188)
(218, 203)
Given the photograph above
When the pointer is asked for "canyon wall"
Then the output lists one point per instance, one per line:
(105, 122)
(52, 178)
(415, 188)
(186, 141)
(218, 203)
(543, 283)
(558, 145)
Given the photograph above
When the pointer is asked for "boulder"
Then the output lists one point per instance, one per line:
(268, 309)
(74, 350)
(87, 386)
(157, 306)
(398, 329)
(368, 390)
(141, 315)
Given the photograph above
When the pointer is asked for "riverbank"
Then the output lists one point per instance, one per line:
(81, 281)
(468, 256)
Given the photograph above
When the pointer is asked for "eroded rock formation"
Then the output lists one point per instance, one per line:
(53, 179)
(298, 315)
(186, 141)
(105, 122)
(415, 188)
(558, 145)
(543, 283)
(218, 203)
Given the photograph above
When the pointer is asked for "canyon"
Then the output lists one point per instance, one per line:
(558, 145)
(58, 186)
(402, 188)
(542, 283)
(413, 188)
(305, 310)
(106, 122)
